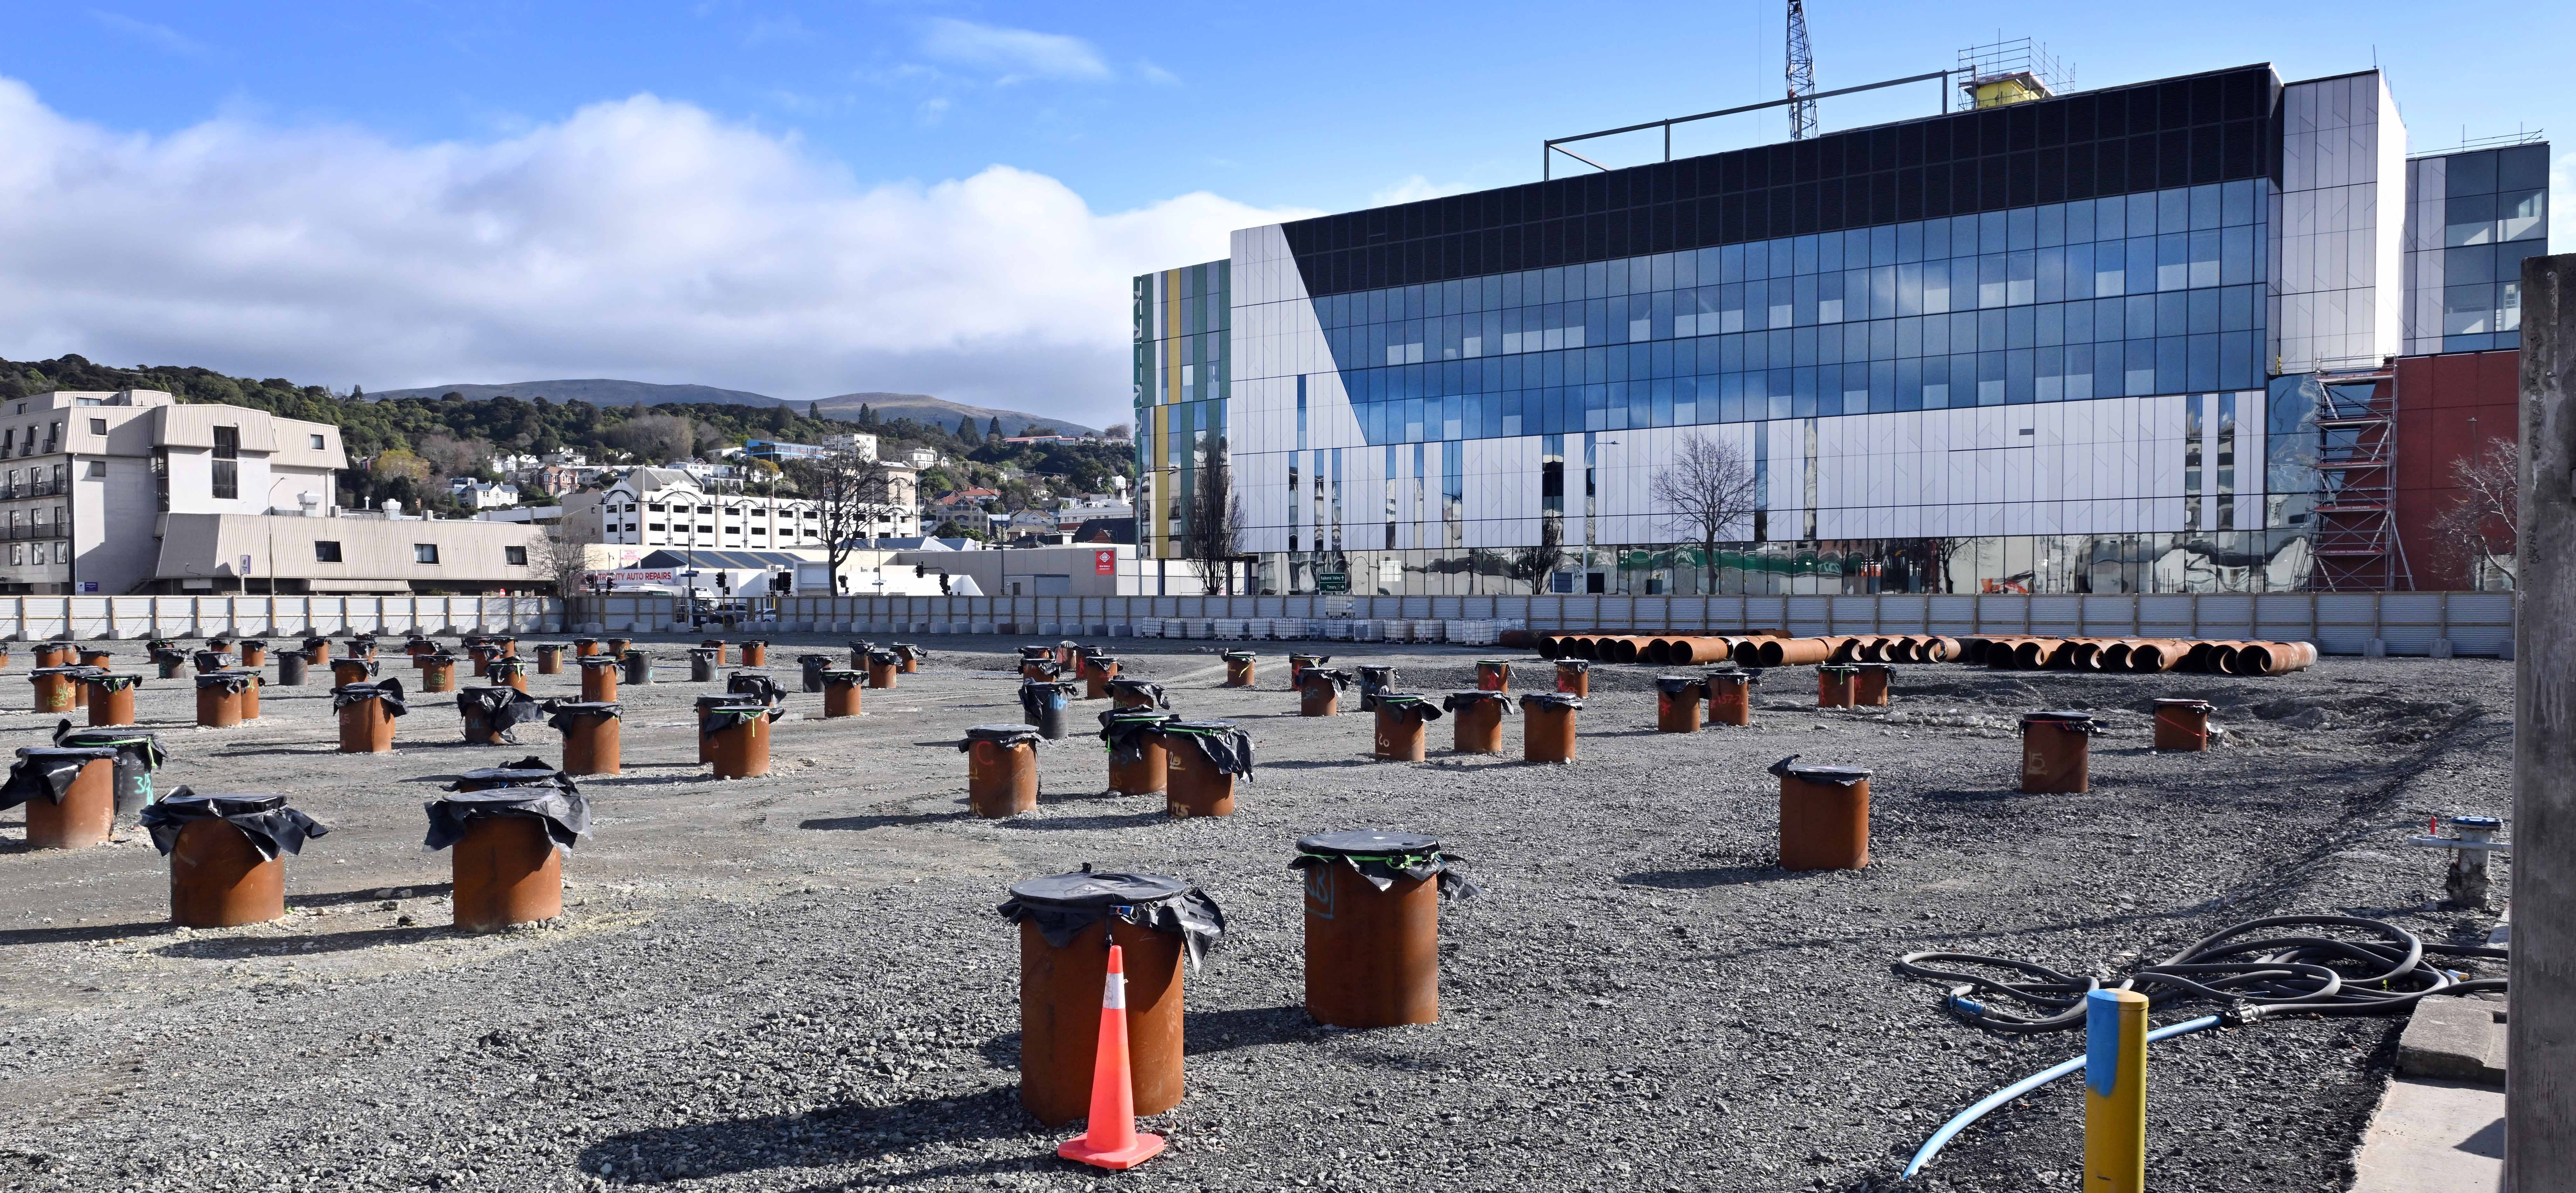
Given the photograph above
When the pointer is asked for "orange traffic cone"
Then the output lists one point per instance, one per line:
(1112, 1141)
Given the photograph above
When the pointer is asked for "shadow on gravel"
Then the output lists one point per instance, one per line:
(861, 824)
(1321, 763)
(279, 750)
(373, 894)
(1219, 1031)
(1988, 795)
(81, 935)
(822, 1138)
(1130, 820)
(1700, 880)
(336, 942)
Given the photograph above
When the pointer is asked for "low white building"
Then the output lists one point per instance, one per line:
(662, 507)
(922, 457)
(1072, 512)
(131, 492)
(483, 495)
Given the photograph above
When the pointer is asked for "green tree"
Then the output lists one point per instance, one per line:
(994, 429)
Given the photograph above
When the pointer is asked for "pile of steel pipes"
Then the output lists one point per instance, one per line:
(1845, 648)
(2221, 657)
(1661, 650)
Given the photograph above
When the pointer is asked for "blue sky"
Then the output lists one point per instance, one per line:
(807, 199)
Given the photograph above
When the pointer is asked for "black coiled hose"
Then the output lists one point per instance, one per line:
(2255, 969)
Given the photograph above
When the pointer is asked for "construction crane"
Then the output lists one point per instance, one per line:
(1802, 75)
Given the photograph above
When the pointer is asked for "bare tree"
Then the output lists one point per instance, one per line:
(856, 498)
(452, 456)
(1533, 564)
(1708, 495)
(656, 438)
(1215, 524)
(559, 557)
(2476, 533)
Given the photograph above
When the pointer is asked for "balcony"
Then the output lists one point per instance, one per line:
(39, 488)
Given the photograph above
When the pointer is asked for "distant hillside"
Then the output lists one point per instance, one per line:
(923, 408)
(598, 391)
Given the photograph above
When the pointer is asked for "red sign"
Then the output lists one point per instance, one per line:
(1104, 563)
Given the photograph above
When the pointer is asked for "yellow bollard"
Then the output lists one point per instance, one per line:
(2115, 1092)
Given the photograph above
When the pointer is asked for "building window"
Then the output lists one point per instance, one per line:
(97, 469)
(18, 553)
(516, 557)
(227, 475)
(98, 426)
(326, 551)
(424, 552)
(317, 443)
(161, 479)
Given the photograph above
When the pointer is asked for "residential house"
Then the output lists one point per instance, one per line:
(130, 491)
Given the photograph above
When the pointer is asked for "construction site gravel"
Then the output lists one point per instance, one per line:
(799, 982)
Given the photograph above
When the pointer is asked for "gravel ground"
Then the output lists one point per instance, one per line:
(798, 982)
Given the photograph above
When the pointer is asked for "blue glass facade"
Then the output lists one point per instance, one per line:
(2153, 292)
(2021, 348)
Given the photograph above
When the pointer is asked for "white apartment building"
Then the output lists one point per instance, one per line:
(665, 507)
(862, 446)
(126, 492)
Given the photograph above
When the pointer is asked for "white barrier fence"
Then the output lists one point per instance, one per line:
(44, 618)
(2402, 623)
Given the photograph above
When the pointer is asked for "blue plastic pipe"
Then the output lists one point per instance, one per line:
(1941, 1138)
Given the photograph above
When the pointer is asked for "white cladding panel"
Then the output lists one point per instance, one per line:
(2338, 275)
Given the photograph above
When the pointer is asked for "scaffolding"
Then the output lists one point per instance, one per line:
(2355, 532)
(2014, 71)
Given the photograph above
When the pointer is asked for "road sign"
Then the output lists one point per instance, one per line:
(1332, 581)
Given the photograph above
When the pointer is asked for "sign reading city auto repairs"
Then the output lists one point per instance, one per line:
(634, 577)
(1104, 563)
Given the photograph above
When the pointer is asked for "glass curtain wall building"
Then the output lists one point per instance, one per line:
(2024, 348)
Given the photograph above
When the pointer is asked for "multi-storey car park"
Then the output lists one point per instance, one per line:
(2209, 333)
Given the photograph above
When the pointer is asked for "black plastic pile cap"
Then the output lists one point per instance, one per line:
(1063, 906)
(1819, 773)
(1367, 842)
(1005, 734)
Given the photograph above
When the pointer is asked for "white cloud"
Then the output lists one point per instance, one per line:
(640, 238)
(1014, 54)
(1413, 188)
(161, 36)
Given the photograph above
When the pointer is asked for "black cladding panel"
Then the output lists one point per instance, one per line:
(2216, 127)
